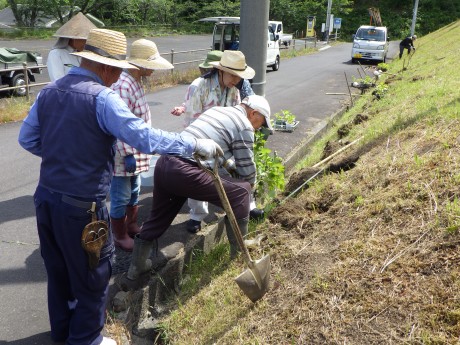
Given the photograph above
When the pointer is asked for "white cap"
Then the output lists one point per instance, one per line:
(260, 104)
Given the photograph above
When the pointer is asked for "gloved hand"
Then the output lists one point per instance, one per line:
(130, 164)
(207, 148)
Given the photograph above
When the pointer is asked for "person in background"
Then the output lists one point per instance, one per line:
(205, 67)
(72, 37)
(244, 86)
(216, 88)
(177, 179)
(130, 162)
(407, 43)
(72, 126)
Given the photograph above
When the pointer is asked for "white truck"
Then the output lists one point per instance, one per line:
(370, 43)
(226, 36)
(277, 26)
(10, 60)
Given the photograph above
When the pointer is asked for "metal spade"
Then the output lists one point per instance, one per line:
(254, 281)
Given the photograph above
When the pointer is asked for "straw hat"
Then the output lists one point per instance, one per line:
(144, 53)
(234, 62)
(77, 28)
(213, 55)
(107, 47)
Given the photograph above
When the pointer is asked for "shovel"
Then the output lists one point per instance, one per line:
(255, 279)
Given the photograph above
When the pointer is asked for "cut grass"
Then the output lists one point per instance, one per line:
(368, 255)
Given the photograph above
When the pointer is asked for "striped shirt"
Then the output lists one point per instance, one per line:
(132, 92)
(230, 128)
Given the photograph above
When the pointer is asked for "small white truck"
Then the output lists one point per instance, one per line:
(10, 60)
(226, 36)
(277, 26)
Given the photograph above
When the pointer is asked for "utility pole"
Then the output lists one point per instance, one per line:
(414, 18)
(253, 39)
(328, 19)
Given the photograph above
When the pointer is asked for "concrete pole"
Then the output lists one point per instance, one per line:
(253, 39)
(414, 18)
(328, 19)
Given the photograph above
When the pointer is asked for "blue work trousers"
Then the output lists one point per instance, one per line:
(77, 296)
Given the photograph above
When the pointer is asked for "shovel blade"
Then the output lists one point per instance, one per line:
(249, 284)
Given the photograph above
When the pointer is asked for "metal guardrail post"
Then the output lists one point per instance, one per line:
(26, 78)
(172, 60)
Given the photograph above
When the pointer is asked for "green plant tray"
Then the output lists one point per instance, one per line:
(285, 127)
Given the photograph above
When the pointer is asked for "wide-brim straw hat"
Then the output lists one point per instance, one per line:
(144, 53)
(234, 62)
(213, 55)
(78, 27)
(107, 47)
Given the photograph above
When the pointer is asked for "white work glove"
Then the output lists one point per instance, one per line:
(207, 148)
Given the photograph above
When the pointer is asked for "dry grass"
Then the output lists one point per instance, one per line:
(13, 109)
(369, 255)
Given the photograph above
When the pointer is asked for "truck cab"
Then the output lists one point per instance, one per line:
(370, 43)
(226, 36)
(277, 27)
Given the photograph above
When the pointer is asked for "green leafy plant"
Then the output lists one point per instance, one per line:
(383, 66)
(380, 90)
(284, 116)
(270, 170)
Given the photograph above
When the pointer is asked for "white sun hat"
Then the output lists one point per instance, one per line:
(234, 62)
(144, 53)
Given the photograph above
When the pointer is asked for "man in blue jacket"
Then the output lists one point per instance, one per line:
(73, 126)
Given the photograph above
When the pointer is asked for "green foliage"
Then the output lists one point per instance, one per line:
(270, 170)
(396, 15)
(380, 90)
(383, 66)
(285, 116)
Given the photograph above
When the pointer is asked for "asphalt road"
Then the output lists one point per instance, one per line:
(300, 86)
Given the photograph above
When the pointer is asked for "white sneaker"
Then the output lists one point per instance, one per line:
(108, 341)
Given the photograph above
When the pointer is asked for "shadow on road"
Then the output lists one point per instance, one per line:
(17, 208)
(37, 339)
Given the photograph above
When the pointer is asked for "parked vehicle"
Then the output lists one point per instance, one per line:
(370, 43)
(277, 27)
(11, 59)
(226, 36)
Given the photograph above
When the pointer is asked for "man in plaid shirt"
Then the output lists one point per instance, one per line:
(129, 162)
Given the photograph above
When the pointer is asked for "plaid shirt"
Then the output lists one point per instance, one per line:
(132, 92)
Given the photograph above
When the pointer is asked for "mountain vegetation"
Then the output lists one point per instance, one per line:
(182, 14)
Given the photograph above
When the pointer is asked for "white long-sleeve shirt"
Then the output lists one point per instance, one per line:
(60, 61)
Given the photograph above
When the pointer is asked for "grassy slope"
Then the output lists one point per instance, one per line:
(366, 256)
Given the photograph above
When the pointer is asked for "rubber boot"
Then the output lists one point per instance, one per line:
(131, 220)
(234, 246)
(120, 234)
(140, 262)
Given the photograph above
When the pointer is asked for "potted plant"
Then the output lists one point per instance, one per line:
(285, 121)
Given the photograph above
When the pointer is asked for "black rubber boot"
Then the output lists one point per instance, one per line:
(243, 225)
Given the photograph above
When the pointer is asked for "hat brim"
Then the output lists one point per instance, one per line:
(157, 63)
(205, 65)
(104, 60)
(248, 73)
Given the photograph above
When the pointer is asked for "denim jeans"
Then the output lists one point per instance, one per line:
(124, 191)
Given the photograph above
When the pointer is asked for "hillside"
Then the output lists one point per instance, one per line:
(368, 254)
